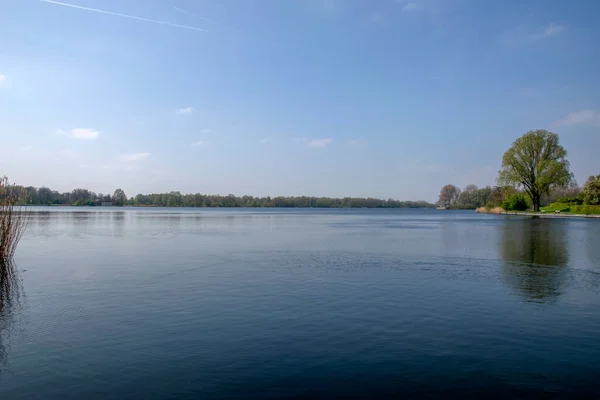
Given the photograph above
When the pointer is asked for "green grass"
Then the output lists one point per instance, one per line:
(585, 209)
(571, 208)
(562, 207)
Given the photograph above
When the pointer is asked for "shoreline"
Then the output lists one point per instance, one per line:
(543, 215)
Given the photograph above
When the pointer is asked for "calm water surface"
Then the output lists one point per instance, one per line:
(173, 303)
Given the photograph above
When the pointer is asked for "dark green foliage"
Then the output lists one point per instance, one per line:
(578, 200)
(119, 198)
(515, 202)
(84, 203)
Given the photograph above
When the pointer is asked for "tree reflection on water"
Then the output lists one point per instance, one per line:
(535, 251)
(10, 302)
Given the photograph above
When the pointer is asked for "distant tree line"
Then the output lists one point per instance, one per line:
(176, 199)
(43, 196)
(82, 197)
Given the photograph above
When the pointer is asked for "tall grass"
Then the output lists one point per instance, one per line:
(13, 221)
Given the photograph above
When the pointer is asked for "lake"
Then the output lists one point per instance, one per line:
(115, 303)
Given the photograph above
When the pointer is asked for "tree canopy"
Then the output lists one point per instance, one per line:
(535, 162)
(119, 197)
(449, 196)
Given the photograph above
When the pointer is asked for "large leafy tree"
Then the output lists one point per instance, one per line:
(536, 162)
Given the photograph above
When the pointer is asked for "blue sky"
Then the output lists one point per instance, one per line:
(270, 97)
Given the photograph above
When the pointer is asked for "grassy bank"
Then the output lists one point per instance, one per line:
(570, 208)
(554, 208)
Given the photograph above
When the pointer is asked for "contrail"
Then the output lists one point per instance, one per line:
(116, 14)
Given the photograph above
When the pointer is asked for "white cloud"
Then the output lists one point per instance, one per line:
(199, 143)
(318, 143)
(186, 110)
(135, 156)
(206, 130)
(27, 148)
(81, 133)
(583, 117)
(266, 139)
(2, 79)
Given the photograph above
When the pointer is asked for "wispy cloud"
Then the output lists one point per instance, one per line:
(135, 157)
(583, 117)
(206, 130)
(411, 6)
(318, 143)
(199, 143)
(266, 139)
(26, 148)
(186, 110)
(2, 79)
(356, 143)
(184, 11)
(524, 34)
(80, 133)
(117, 14)
(551, 30)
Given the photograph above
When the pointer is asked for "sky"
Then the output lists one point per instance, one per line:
(383, 98)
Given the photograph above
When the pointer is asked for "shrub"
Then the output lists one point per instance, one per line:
(84, 203)
(515, 202)
(578, 200)
(13, 221)
(591, 190)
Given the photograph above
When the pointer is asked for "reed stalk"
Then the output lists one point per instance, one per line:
(13, 220)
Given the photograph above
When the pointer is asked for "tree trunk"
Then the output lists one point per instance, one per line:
(536, 198)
